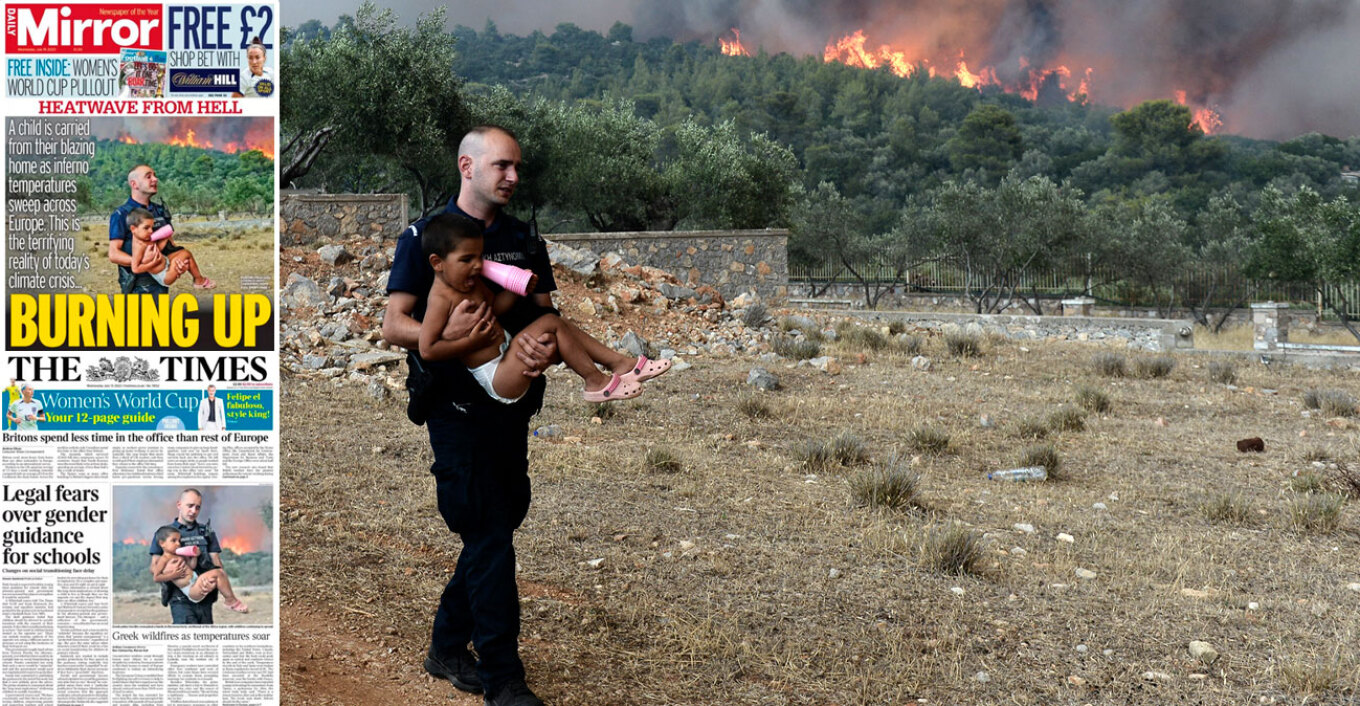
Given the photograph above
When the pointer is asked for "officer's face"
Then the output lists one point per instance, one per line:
(495, 171)
(189, 504)
(144, 181)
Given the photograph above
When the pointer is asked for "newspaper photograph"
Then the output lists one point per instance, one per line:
(140, 455)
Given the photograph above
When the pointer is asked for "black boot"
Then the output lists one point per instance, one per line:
(516, 693)
(459, 668)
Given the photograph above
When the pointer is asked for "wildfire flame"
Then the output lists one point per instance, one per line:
(1028, 81)
(184, 136)
(134, 540)
(733, 46)
(1204, 117)
(239, 543)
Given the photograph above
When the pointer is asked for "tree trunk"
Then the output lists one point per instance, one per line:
(301, 162)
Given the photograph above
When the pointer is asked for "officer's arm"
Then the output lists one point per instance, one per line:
(399, 326)
(116, 254)
(216, 559)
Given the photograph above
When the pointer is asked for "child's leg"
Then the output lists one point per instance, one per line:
(510, 380)
(618, 363)
(203, 585)
(217, 578)
(188, 257)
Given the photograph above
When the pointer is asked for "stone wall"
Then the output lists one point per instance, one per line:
(1136, 334)
(731, 261)
(307, 218)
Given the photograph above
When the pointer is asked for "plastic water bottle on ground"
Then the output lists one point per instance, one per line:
(1029, 473)
(549, 431)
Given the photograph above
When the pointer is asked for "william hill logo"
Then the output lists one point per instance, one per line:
(81, 29)
(204, 80)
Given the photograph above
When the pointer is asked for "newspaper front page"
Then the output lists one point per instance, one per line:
(140, 455)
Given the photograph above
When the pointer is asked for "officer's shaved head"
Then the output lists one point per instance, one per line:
(474, 142)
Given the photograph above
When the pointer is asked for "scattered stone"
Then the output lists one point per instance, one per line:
(335, 255)
(1257, 606)
(579, 260)
(762, 379)
(302, 293)
(1252, 445)
(986, 422)
(826, 364)
(1065, 537)
(1353, 586)
(1023, 527)
(921, 363)
(1157, 676)
(982, 677)
(1099, 506)
(1107, 653)
(634, 344)
(802, 323)
(677, 365)
(1086, 574)
(1018, 551)
(377, 390)
(957, 590)
(1161, 422)
(1202, 651)
(366, 361)
(834, 574)
(1082, 648)
(1076, 681)
(675, 291)
(595, 563)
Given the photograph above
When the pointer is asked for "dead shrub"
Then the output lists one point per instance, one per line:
(1066, 419)
(1111, 365)
(1330, 401)
(1222, 372)
(963, 345)
(755, 316)
(813, 455)
(1317, 512)
(1029, 428)
(661, 460)
(754, 408)
(890, 485)
(1045, 455)
(1153, 368)
(1227, 507)
(929, 440)
(848, 449)
(953, 550)
(861, 337)
(795, 348)
(1092, 399)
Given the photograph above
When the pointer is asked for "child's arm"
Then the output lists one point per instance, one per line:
(433, 346)
(505, 298)
(166, 568)
(139, 256)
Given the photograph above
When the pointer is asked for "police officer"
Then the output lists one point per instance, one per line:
(142, 185)
(480, 445)
(182, 610)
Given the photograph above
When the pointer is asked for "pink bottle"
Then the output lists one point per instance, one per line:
(187, 551)
(515, 279)
(162, 233)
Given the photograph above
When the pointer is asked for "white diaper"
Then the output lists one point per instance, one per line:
(486, 372)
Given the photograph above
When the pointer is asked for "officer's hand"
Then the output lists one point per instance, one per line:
(464, 319)
(536, 353)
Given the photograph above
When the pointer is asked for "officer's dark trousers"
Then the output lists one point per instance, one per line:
(481, 476)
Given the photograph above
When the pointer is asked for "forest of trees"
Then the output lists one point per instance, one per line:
(891, 171)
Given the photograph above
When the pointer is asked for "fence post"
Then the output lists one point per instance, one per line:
(1078, 306)
(1270, 325)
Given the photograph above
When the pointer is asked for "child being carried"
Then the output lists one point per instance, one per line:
(454, 246)
(196, 586)
(164, 261)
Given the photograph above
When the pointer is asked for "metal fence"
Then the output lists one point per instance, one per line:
(1222, 287)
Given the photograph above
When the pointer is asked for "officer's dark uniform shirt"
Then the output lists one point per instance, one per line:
(118, 228)
(195, 535)
(507, 240)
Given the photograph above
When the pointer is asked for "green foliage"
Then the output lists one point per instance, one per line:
(988, 142)
(192, 180)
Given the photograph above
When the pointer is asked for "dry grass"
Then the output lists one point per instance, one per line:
(1230, 507)
(1154, 367)
(796, 348)
(909, 344)
(963, 345)
(1222, 372)
(1092, 399)
(954, 550)
(1029, 428)
(716, 585)
(1318, 512)
(858, 337)
(1330, 401)
(661, 460)
(928, 440)
(753, 407)
(1066, 418)
(1111, 365)
(890, 485)
(1045, 455)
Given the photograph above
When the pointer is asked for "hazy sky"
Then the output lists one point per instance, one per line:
(511, 16)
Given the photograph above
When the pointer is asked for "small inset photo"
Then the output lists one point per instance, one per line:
(193, 555)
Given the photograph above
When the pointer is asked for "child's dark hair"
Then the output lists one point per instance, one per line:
(164, 533)
(136, 216)
(446, 231)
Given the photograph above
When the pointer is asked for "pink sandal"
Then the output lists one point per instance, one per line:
(646, 369)
(207, 284)
(239, 606)
(617, 389)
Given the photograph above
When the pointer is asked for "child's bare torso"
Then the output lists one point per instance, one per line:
(480, 294)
